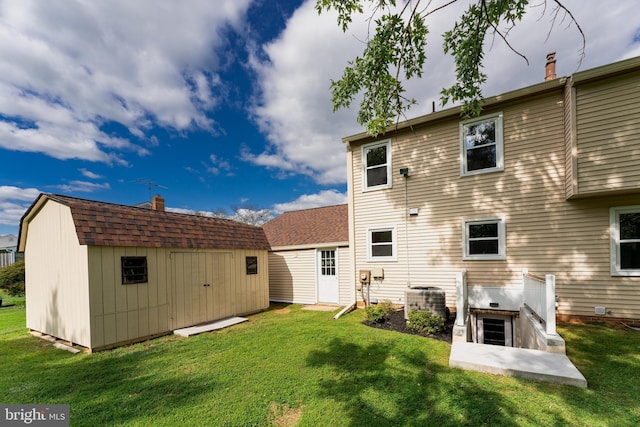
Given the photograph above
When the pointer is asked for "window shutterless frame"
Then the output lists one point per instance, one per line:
(381, 244)
(481, 145)
(624, 232)
(376, 166)
(484, 239)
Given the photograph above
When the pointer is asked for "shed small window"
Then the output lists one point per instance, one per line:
(134, 269)
(252, 265)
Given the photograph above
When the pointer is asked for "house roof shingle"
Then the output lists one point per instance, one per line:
(328, 224)
(108, 224)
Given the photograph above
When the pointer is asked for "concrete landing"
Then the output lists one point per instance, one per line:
(195, 330)
(519, 362)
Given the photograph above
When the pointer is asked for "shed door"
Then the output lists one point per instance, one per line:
(201, 288)
(328, 289)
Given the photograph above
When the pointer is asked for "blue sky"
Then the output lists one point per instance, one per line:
(220, 103)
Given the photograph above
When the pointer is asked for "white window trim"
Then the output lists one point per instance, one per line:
(394, 244)
(502, 251)
(499, 145)
(614, 233)
(366, 147)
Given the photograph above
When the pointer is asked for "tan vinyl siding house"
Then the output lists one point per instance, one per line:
(101, 275)
(310, 261)
(569, 154)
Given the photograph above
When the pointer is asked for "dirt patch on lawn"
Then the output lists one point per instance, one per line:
(396, 322)
(283, 416)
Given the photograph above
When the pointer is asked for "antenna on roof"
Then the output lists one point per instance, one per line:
(150, 185)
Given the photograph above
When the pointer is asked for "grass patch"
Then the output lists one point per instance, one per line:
(295, 367)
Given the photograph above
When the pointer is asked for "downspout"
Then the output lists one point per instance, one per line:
(352, 232)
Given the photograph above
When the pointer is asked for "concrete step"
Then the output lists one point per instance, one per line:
(519, 362)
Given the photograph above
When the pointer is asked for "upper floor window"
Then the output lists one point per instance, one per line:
(376, 164)
(484, 239)
(381, 244)
(481, 145)
(625, 241)
(134, 269)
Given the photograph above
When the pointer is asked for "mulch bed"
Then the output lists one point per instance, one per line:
(396, 322)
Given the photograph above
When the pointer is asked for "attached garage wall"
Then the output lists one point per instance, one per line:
(292, 276)
(56, 275)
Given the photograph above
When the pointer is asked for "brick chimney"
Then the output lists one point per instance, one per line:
(157, 203)
(550, 67)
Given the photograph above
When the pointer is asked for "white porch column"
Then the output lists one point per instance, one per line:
(550, 299)
(461, 297)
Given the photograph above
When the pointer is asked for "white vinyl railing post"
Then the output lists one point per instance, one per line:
(550, 300)
(461, 297)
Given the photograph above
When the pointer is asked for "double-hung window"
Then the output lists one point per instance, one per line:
(484, 239)
(376, 165)
(381, 244)
(481, 145)
(625, 241)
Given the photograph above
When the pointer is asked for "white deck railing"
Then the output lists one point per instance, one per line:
(540, 296)
(7, 258)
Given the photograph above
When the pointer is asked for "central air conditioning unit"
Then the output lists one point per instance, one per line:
(425, 299)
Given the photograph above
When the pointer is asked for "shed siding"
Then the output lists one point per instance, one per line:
(57, 275)
(544, 232)
(608, 134)
(120, 312)
(174, 295)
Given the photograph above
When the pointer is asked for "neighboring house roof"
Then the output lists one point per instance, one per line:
(8, 241)
(328, 224)
(108, 224)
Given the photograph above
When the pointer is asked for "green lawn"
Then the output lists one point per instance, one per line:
(294, 367)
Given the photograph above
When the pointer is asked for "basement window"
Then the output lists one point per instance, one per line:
(134, 269)
(252, 264)
(495, 330)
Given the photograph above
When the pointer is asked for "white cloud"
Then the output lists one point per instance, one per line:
(218, 165)
(88, 174)
(82, 187)
(67, 68)
(294, 109)
(14, 201)
(307, 201)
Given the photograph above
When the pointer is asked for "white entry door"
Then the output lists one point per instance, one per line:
(328, 290)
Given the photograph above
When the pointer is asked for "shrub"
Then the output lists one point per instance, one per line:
(12, 278)
(425, 322)
(379, 313)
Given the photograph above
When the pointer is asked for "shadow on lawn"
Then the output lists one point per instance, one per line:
(125, 390)
(377, 390)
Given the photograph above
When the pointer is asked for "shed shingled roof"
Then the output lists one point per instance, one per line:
(108, 224)
(328, 224)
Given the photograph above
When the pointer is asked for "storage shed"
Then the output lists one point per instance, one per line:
(102, 275)
(310, 260)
